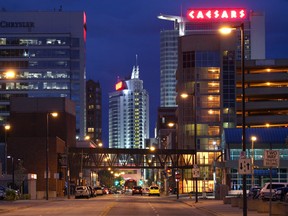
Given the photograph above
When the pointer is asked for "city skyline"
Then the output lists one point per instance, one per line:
(120, 30)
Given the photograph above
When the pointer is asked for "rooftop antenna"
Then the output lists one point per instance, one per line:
(135, 71)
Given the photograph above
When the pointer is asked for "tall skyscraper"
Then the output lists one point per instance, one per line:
(94, 111)
(129, 113)
(46, 52)
(254, 31)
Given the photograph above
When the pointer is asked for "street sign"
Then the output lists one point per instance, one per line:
(178, 176)
(242, 154)
(271, 158)
(195, 172)
(245, 166)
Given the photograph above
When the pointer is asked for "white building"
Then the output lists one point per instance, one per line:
(46, 50)
(129, 113)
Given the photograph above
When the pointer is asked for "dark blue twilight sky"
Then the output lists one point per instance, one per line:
(120, 29)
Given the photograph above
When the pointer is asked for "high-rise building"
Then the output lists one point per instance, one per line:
(94, 111)
(206, 64)
(46, 52)
(129, 113)
(254, 31)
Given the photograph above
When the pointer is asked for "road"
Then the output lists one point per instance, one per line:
(110, 205)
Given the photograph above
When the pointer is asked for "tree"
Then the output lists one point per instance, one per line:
(105, 178)
(20, 174)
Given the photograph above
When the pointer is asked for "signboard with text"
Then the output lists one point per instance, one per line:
(217, 14)
(271, 158)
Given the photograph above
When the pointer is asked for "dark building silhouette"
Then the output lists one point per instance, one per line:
(94, 111)
(32, 127)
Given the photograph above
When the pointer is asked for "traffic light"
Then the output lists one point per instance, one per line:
(169, 172)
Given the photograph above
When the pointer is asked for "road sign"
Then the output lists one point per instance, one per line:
(271, 158)
(245, 166)
(242, 154)
(195, 172)
(178, 176)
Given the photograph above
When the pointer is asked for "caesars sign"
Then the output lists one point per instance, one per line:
(216, 14)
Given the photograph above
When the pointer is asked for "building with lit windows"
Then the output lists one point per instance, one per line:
(46, 52)
(209, 71)
(94, 111)
(129, 113)
(254, 31)
(266, 93)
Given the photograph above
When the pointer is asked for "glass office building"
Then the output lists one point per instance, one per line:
(254, 31)
(42, 54)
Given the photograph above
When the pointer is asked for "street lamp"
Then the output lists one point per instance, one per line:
(7, 127)
(13, 171)
(227, 31)
(184, 96)
(253, 139)
(171, 125)
(54, 115)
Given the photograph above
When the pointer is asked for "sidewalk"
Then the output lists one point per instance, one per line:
(6, 206)
(216, 207)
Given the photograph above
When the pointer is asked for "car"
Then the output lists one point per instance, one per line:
(280, 193)
(105, 190)
(265, 190)
(91, 191)
(98, 190)
(154, 190)
(137, 190)
(254, 192)
(82, 191)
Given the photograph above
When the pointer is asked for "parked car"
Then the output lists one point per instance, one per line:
(154, 190)
(105, 190)
(137, 190)
(82, 191)
(98, 190)
(91, 191)
(280, 193)
(254, 192)
(265, 190)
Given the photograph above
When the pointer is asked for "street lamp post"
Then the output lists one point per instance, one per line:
(253, 139)
(53, 114)
(185, 95)
(7, 127)
(13, 171)
(227, 31)
(176, 173)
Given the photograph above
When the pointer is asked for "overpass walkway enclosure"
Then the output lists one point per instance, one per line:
(132, 158)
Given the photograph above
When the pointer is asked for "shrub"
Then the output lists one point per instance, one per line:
(11, 195)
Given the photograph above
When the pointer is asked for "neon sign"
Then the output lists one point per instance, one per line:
(119, 86)
(216, 14)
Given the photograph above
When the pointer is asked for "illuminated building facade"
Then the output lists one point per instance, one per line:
(193, 24)
(46, 51)
(129, 113)
(94, 111)
(209, 71)
(204, 67)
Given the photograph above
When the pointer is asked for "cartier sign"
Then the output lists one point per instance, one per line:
(5, 24)
(216, 14)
